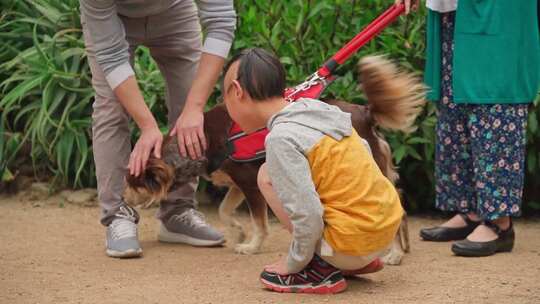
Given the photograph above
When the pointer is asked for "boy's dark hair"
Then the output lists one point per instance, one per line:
(260, 73)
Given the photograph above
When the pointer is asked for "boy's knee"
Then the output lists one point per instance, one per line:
(263, 179)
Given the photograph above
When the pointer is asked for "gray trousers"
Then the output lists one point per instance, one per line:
(174, 39)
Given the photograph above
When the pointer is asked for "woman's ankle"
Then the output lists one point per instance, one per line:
(454, 222)
(473, 217)
(503, 222)
(460, 220)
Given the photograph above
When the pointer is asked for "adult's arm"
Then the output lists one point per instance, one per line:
(218, 20)
(106, 34)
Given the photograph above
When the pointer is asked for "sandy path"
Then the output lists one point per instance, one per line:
(50, 254)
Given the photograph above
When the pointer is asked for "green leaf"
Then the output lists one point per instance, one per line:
(299, 22)
(412, 152)
(418, 140)
(276, 31)
(64, 153)
(286, 60)
(317, 9)
(399, 153)
(7, 176)
(531, 162)
(47, 11)
(82, 151)
(21, 90)
(38, 47)
(533, 122)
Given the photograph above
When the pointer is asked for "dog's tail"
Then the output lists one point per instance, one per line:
(154, 182)
(395, 97)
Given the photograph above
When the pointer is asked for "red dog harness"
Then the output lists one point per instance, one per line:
(249, 147)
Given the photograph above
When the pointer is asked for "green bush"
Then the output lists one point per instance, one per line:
(45, 92)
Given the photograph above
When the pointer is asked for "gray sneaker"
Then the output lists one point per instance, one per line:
(190, 228)
(122, 237)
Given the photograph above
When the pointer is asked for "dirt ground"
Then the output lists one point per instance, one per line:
(53, 252)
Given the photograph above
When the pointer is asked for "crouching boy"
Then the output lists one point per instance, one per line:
(319, 179)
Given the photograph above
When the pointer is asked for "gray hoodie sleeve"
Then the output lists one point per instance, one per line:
(290, 174)
(218, 19)
(106, 32)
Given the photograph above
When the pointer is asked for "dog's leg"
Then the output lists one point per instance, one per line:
(231, 201)
(259, 220)
(394, 256)
(253, 246)
(400, 245)
(244, 175)
(404, 234)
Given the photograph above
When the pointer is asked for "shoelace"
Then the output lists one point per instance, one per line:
(127, 213)
(192, 218)
(124, 226)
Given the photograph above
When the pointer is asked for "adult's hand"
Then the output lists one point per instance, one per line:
(151, 139)
(409, 4)
(130, 97)
(189, 129)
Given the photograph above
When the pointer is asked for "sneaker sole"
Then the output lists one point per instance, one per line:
(131, 253)
(170, 237)
(372, 267)
(336, 287)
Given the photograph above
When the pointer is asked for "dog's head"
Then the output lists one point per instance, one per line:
(153, 183)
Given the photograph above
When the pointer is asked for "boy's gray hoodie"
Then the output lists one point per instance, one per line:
(293, 132)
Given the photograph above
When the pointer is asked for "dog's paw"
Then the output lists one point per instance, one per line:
(246, 248)
(393, 258)
(237, 235)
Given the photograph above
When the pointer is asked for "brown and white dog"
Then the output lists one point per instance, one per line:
(395, 99)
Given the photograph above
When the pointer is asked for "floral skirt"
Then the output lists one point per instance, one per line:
(480, 152)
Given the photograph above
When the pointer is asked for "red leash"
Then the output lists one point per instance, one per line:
(317, 82)
(245, 148)
(368, 33)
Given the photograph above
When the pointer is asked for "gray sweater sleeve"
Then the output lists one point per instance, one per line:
(290, 174)
(107, 35)
(107, 39)
(218, 19)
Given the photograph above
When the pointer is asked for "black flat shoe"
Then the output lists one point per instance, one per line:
(504, 243)
(445, 234)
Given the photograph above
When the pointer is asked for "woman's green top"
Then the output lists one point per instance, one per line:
(496, 55)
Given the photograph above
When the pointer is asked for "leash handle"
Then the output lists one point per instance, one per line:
(368, 33)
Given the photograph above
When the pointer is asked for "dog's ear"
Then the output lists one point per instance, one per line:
(155, 180)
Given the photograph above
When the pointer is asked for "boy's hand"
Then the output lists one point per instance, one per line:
(279, 267)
